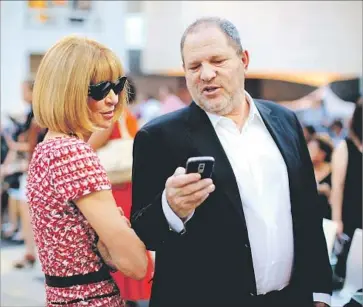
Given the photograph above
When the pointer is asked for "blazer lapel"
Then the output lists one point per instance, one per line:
(206, 143)
(289, 153)
(282, 140)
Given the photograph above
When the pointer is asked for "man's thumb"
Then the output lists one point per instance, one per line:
(179, 171)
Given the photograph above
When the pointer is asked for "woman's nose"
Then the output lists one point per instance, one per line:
(112, 98)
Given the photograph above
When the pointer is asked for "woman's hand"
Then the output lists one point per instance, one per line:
(340, 227)
(324, 189)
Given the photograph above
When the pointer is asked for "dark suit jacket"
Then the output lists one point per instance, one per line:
(211, 264)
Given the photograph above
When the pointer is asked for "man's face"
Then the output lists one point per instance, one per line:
(214, 72)
(337, 129)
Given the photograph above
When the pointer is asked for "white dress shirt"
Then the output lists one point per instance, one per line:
(263, 184)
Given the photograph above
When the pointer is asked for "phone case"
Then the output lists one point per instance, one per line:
(204, 167)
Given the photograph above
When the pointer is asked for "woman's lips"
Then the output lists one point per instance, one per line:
(107, 115)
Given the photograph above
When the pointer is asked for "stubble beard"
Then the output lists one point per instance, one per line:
(223, 107)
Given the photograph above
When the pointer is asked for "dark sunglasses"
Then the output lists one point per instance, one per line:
(100, 90)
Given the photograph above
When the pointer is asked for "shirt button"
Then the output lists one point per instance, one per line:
(252, 294)
(247, 246)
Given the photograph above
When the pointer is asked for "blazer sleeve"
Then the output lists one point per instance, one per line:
(317, 261)
(151, 168)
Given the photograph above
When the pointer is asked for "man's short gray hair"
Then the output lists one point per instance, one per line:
(227, 27)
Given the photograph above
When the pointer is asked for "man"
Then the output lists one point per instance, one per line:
(251, 235)
(309, 133)
(337, 132)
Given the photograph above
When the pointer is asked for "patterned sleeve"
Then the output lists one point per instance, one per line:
(76, 170)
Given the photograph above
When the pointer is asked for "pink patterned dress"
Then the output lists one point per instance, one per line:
(62, 170)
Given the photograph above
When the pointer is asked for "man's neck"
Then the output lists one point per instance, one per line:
(240, 114)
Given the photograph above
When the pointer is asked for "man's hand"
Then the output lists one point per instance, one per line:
(185, 192)
(320, 304)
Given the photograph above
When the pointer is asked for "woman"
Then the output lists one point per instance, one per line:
(132, 290)
(34, 135)
(18, 153)
(78, 90)
(320, 149)
(346, 195)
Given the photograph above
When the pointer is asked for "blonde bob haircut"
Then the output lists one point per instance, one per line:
(60, 96)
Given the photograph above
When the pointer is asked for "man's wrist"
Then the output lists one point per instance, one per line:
(176, 223)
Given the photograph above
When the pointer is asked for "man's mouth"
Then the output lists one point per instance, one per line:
(210, 89)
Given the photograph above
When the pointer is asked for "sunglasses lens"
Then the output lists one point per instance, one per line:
(100, 91)
(119, 85)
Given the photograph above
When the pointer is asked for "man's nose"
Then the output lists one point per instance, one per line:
(207, 73)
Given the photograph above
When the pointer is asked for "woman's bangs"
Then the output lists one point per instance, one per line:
(107, 68)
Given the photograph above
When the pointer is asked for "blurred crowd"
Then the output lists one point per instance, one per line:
(335, 151)
(336, 154)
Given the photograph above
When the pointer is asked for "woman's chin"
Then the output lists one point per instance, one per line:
(104, 124)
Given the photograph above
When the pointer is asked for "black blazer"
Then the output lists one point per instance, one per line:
(211, 264)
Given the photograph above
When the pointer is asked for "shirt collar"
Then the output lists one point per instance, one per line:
(214, 118)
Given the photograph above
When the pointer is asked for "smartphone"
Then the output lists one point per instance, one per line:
(202, 165)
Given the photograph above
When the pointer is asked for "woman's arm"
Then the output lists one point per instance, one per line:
(10, 157)
(339, 169)
(16, 146)
(325, 189)
(127, 251)
(6, 166)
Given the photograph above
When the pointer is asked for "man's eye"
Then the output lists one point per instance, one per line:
(194, 67)
(218, 61)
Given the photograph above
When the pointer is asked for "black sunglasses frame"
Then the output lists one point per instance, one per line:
(100, 90)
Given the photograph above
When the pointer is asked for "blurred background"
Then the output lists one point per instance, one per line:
(306, 55)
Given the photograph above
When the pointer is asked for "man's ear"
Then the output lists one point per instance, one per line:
(245, 57)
